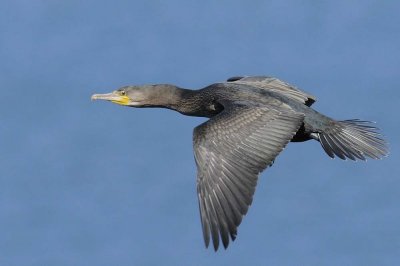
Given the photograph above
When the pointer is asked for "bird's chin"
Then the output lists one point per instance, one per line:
(135, 104)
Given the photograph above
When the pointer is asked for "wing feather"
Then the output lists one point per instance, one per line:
(231, 149)
(275, 85)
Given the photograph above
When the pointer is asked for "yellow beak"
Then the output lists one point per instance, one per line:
(112, 97)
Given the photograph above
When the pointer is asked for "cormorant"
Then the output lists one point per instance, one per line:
(252, 119)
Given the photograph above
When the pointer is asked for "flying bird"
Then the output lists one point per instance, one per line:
(251, 120)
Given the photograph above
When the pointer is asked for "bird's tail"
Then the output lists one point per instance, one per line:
(353, 139)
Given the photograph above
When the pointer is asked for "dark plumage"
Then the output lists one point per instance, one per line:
(252, 119)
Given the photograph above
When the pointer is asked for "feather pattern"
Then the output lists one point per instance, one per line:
(353, 139)
(231, 149)
(275, 85)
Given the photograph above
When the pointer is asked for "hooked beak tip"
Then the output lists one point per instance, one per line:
(106, 96)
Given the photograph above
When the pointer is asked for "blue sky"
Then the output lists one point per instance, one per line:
(85, 183)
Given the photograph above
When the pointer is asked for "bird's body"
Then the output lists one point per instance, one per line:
(251, 121)
(209, 101)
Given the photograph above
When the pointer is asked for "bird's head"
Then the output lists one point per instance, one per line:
(138, 96)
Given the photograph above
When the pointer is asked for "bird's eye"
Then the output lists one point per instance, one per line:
(123, 93)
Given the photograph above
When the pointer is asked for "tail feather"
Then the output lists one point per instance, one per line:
(353, 139)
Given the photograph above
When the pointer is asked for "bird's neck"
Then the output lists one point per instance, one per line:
(184, 101)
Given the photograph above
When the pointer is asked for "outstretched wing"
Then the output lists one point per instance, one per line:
(275, 85)
(231, 149)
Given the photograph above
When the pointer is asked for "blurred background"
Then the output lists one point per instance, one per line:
(92, 183)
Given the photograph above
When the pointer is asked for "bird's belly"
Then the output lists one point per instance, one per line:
(301, 135)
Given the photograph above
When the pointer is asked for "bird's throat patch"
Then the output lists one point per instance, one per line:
(122, 100)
